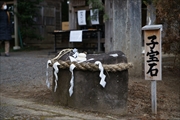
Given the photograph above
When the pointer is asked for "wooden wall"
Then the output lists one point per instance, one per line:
(49, 19)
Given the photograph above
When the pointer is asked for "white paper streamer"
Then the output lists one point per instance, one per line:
(149, 22)
(75, 51)
(102, 75)
(72, 59)
(81, 57)
(90, 59)
(72, 66)
(56, 70)
(75, 54)
(114, 55)
(47, 74)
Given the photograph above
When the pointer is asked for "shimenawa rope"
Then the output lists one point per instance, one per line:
(87, 65)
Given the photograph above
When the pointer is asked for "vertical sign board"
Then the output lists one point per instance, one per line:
(153, 59)
(152, 55)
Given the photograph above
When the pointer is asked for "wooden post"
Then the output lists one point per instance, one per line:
(153, 59)
(16, 47)
(72, 17)
(72, 20)
(99, 41)
(153, 97)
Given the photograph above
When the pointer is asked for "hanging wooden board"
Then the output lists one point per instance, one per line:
(76, 3)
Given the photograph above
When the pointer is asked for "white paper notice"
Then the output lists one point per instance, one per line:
(82, 17)
(94, 16)
(75, 36)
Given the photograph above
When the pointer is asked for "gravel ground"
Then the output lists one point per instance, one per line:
(24, 68)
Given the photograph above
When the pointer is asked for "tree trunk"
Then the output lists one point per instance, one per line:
(151, 14)
(123, 31)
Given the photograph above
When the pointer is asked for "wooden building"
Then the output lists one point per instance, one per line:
(52, 15)
(49, 18)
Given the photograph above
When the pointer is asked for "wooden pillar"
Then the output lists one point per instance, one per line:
(16, 47)
(123, 31)
(72, 16)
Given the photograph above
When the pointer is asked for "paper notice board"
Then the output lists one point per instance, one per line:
(81, 14)
(75, 36)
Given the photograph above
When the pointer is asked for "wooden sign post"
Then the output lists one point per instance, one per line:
(153, 59)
